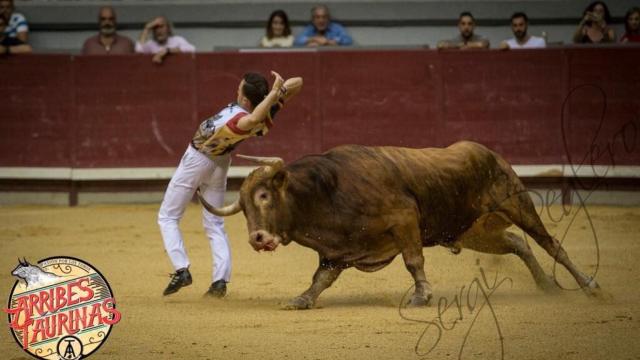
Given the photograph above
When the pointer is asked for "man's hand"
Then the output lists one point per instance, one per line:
(318, 40)
(277, 81)
(153, 23)
(158, 58)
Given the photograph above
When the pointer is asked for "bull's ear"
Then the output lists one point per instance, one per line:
(280, 180)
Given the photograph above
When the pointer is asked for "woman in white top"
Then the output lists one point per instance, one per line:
(278, 31)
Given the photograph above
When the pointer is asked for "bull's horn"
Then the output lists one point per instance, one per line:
(275, 162)
(223, 211)
(20, 262)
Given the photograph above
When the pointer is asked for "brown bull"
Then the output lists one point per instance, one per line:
(361, 206)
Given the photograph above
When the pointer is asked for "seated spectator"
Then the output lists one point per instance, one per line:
(11, 45)
(163, 42)
(467, 39)
(17, 26)
(322, 31)
(593, 27)
(107, 41)
(278, 31)
(631, 26)
(522, 40)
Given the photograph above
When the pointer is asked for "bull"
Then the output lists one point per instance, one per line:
(361, 206)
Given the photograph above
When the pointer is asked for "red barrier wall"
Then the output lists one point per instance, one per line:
(534, 107)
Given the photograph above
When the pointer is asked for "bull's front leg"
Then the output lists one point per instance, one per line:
(408, 237)
(325, 275)
(414, 262)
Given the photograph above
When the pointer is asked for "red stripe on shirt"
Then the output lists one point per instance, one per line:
(233, 124)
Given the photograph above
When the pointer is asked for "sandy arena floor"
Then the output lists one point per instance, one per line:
(358, 318)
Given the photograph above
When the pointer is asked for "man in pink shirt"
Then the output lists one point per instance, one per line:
(163, 42)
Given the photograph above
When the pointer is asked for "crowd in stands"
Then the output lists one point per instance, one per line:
(157, 37)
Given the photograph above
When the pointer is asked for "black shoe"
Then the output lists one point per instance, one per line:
(179, 279)
(218, 289)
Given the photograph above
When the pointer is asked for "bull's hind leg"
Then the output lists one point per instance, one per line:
(325, 275)
(500, 242)
(521, 211)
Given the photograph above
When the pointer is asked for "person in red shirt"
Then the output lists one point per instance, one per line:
(631, 26)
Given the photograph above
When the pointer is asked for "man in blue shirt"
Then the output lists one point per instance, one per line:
(322, 31)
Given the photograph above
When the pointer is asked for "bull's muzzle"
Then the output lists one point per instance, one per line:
(263, 240)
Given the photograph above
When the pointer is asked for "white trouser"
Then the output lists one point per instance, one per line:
(197, 170)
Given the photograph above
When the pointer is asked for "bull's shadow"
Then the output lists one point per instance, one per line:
(362, 206)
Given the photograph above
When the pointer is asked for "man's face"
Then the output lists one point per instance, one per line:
(320, 19)
(161, 31)
(466, 26)
(6, 8)
(107, 21)
(519, 27)
(240, 94)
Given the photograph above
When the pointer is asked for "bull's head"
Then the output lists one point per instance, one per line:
(262, 196)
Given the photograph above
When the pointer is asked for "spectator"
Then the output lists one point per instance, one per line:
(107, 41)
(522, 40)
(467, 39)
(11, 45)
(322, 31)
(631, 26)
(278, 31)
(593, 27)
(163, 42)
(17, 26)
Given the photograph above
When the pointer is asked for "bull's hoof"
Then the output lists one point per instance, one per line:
(298, 303)
(549, 286)
(419, 300)
(593, 289)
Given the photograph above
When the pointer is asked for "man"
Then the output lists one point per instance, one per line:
(163, 42)
(11, 45)
(522, 40)
(204, 166)
(467, 39)
(17, 26)
(322, 31)
(107, 41)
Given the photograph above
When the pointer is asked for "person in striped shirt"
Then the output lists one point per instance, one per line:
(17, 24)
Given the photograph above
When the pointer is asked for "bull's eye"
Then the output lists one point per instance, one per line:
(261, 197)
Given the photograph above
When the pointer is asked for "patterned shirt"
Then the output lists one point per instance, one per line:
(220, 134)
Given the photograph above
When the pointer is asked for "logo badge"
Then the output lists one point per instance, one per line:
(60, 308)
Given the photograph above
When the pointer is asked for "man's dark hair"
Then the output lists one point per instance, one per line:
(466, 13)
(255, 88)
(520, 14)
